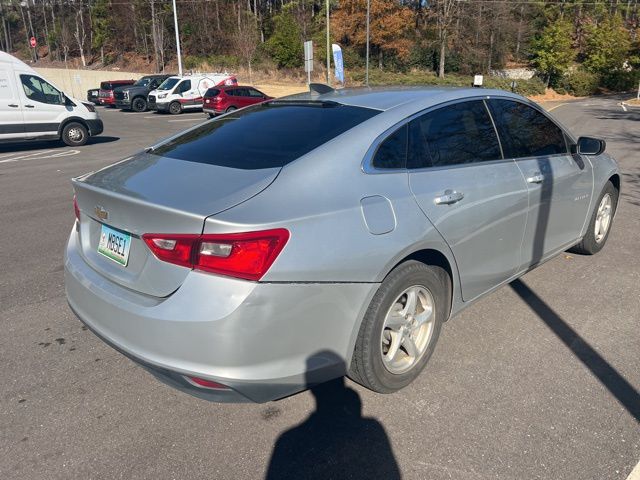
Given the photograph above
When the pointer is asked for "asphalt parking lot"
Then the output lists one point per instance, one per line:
(540, 380)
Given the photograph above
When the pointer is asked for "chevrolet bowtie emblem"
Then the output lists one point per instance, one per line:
(101, 213)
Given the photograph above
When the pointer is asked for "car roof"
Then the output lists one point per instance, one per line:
(386, 98)
(117, 81)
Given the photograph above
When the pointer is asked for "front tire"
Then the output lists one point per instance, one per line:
(401, 327)
(139, 104)
(75, 134)
(175, 108)
(600, 223)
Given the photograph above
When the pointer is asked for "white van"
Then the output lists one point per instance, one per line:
(179, 93)
(33, 109)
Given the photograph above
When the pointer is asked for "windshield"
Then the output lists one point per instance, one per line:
(168, 84)
(143, 82)
(265, 136)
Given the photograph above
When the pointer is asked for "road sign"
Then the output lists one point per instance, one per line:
(308, 58)
(33, 42)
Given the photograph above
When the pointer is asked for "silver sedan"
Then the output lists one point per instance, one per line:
(324, 234)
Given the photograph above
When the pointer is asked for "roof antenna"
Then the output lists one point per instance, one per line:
(320, 88)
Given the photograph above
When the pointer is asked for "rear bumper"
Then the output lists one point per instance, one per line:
(264, 341)
(107, 101)
(96, 127)
(212, 111)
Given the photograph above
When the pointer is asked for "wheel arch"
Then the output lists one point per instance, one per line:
(69, 120)
(430, 256)
(615, 180)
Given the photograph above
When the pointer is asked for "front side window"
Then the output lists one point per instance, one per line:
(185, 86)
(143, 82)
(255, 93)
(526, 132)
(392, 152)
(39, 90)
(453, 135)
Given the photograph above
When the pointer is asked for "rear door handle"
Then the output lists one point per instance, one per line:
(13, 105)
(29, 106)
(536, 178)
(449, 197)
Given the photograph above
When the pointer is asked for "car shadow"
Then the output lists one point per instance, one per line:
(48, 145)
(335, 441)
(615, 383)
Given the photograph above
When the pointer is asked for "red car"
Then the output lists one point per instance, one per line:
(105, 94)
(226, 98)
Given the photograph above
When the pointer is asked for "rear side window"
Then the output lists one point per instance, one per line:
(212, 92)
(266, 135)
(453, 135)
(524, 131)
(392, 153)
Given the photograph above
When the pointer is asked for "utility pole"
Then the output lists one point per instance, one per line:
(175, 22)
(366, 77)
(328, 49)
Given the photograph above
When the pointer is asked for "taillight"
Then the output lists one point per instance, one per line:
(242, 255)
(204, 383)
(76, 209)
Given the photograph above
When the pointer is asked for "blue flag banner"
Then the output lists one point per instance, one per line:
(337, 61)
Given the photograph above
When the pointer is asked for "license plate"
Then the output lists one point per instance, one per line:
(114, 245)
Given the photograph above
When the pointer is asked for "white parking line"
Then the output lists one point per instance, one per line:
(623, 105)
(41, 155)
(556, 106)
(635, 473)
(189, 120)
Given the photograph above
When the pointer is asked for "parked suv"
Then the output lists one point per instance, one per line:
(93, 95)
(179, 93)
(219, 100)
(106, 90)
(134, 97)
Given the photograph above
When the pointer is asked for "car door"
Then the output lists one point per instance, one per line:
(44, 105)
(474, 197)
(11, 118)
(560, 184)
(255, 96)
(186, 94)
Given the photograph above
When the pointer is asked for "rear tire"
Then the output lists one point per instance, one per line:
(175, 108)
(394, 327)
(231, 109)
(212, 115)
(600, 223)
(75, 134)
(139, 104)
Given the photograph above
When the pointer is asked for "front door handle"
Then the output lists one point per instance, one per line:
(29, 106)
(13, 105)
(536, 178)
(450, 197)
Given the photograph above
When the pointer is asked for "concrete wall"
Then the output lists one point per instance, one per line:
(77, 82)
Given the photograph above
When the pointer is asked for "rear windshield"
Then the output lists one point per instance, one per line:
(265, 136)
(212, 92)
(106, 86)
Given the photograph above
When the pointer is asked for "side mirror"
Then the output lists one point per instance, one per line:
(590, 146)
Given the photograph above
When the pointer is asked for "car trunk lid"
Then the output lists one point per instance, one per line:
(153, 194)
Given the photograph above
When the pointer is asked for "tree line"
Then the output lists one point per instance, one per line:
(571, 43)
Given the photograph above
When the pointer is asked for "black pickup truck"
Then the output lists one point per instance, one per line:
(134, 97)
